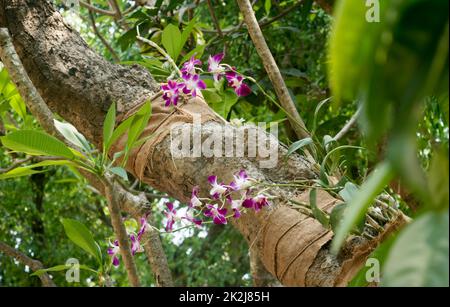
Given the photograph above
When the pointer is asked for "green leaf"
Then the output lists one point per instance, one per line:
(389, 65)
(81, 236)
(323, 170)
(379, 254)
(71, 134)
(229, 100)
(36, 143)
(327, 140)
(267, 6)
(119, 131)
(186, 32)
(108, 125)
(348, 192)
(211, 96)
(19, 172)
(438, 179)
(359, 204)
(119, 171)
(18, 105)
(316, 211)
(171, 40)
(223, 103)
(419, 257)
(348, 49)
(140, 121)
(337, 215)
(298, 145)
(29, 169)
(62, 267)
(197, 51)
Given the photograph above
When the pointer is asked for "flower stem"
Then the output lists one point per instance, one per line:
(160, 50)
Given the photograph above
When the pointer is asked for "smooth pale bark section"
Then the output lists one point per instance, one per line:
(80, 85)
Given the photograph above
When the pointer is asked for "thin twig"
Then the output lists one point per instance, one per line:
(102, 39)
(34, 265)
(347, 126)
(138, 206)
(271, 68)
(160, 50)
(97, 9)
(16, 164)
(115, 6)
(214, 18)
(262, 23)
(286, 11)
(120, 232)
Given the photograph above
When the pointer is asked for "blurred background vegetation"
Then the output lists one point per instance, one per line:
(299, 34)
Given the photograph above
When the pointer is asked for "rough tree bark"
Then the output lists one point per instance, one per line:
(80, 85)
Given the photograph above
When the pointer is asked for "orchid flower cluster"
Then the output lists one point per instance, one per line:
(238, 196)
(135, 242)
(191, 84)
(226, 201)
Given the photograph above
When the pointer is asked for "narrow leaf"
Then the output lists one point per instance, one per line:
(298, 145)
(317, 212)
(36, 143)
(81, 236)
(171, 40)
(72, 135)
(108, 124)
(359, 204)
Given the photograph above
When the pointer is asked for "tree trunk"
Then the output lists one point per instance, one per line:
(80, 85)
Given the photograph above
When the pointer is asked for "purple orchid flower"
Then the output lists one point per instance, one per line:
(261, 201)
(257, 202)
(192, 84)
(113, 251)
(217, 214)
(171, 216)
(171, 92)
(236, 206)
(189, 217)
(135, 245)
(217, 189)
(195, 201)
(214, 66)
(236, 82)
(145, 226)
(189, 66)
(241, 181)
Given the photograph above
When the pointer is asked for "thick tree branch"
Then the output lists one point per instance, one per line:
(272, 69)
(261, 277)
(34, 265)
(36, 104)
(23, 83)
(45, 117)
